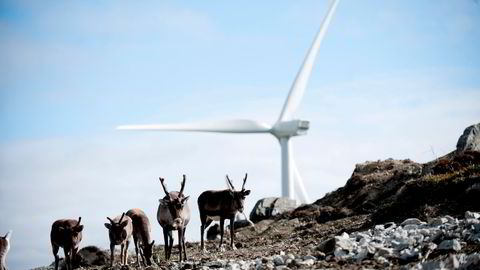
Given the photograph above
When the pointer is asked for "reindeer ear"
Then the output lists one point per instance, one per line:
(124, 223)
(153, 242)
(108, 226)
(79, 228)
(246, 192)
(185, 199)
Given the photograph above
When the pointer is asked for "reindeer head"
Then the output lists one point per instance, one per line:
(116, 230)
(148, 251)
(238, 196)
(175, 201)
(72, 235)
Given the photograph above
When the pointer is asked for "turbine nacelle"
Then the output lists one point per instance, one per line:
(290, 128)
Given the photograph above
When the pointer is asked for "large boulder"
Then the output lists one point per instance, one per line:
(91, 256)
(268, 208)
(470, 139)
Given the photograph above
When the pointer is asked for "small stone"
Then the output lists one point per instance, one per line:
(451, 220)
(309, 257)
(438, 221)
(343, 243)
(278, 260)
(450, 245)
(472, 221)
(414, 221)
(409, 255)
(384, 252)
(472, 261)
(382, 260)
(308, 262)
(475, 238)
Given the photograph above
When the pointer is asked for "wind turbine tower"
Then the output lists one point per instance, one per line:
(285, 128)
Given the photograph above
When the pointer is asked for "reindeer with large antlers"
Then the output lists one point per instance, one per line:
(221, 204)
(174, 214)
(66, 233)
(119, 232)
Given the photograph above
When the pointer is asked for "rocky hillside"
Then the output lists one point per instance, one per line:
(391, 213)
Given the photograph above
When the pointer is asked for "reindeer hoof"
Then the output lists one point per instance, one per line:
(204, 251)
(234, 247)
(221, 249)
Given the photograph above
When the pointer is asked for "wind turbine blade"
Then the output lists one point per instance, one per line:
(298, 87)
(227, 126)
(299, 186)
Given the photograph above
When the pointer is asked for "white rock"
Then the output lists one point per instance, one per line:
(450, 245)
(409, 254)
(308, 262)
(343, 243)
(278, 260)
(473, 215)
(414, 221)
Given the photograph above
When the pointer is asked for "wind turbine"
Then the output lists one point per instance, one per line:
(285, 127)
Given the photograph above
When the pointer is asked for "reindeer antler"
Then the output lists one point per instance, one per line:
(120, 221)
(164, 187)
(111, 221)
(229, 182)
(183, 186)
(79, 219)
(244, 181)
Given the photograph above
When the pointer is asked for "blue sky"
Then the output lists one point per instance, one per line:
(393, 79)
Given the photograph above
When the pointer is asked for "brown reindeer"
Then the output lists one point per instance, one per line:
(4, 248)
(66, 233)
(174, 214)
(141, 235)
(119, 233)
(221, 204)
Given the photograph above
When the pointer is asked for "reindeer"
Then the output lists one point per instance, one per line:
(222, 204)
(141, 235)
(174, 214)
(66, 233)
(4, 247)
(119, 232)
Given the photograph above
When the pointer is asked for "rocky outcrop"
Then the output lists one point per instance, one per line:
(268, 208)
(470, 139)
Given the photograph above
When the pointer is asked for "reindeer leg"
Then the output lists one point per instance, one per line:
(125, 256)
(232, 233)
(203, 220)
(112, 249)
(170, 244)
(180, 236)
(122, 246)
(55, 254)
(67, 258)
(75, 262)
(222, 223)
(135, 243)
(183, 243)
(165, 240)
(142, 257)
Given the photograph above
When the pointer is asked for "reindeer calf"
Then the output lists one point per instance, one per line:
(221, 204)
(66, 233)
(4, 247)
(141, 235)
(174, 214)
(119, 233)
